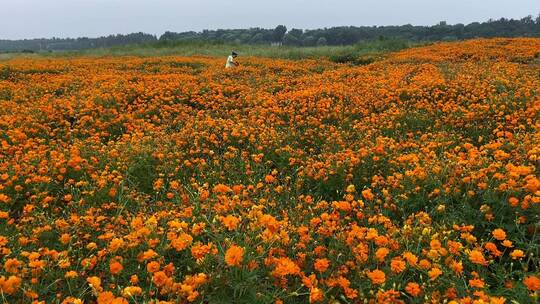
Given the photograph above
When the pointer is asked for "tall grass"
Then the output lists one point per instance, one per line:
(198, 48)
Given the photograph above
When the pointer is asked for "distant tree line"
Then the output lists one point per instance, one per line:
(66, 44)
(345, 35)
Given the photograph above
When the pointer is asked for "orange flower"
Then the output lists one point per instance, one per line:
(381, 253)
(454, 247)
(108, 298)
(321, 265)
(234, 255)
(424, 264)
(269, 179)
(131, 291)
(377, 277)
(413, 289)
(477, 257)
(65, 238)
(230, 221)
(367, 194)
(286, 267)
(175, 185)
(513, 201)
(507, 244)
(10, 285)
(116, 244)
(198, 251)
(221, 189)
(435, 244)
(517, 254)
(492, 248)
(152, 266)
(532, 283)
(147, 255)
(397, 265)
(160, 278)
(457, 267)
(105, 297)
(434, 273)
(315, 295)
(115, 267)
(4, 198)
(499, 234)
(134, 279)
(71, 274)
(95, 283)
(411, 258)
(12, 265)
(182, 241)
(476, 283)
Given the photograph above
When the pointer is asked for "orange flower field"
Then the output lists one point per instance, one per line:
(412, 179)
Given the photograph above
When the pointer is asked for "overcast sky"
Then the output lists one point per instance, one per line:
(91, 18)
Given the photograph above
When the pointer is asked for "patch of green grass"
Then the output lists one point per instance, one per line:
(341, 54)
(6, 73)
(412, 122)
(142, 173)
(6, 94)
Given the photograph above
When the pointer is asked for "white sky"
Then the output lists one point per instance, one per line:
(91, 18)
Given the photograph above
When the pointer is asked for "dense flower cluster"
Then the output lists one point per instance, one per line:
(172, 180)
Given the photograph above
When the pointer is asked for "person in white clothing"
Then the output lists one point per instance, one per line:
(230, 60)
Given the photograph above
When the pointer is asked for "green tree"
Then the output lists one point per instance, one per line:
(289, 39)
(296, 33)
(257, 38)
(279, 33)
(309, 41)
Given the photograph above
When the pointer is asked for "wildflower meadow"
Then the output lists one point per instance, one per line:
(407, 177)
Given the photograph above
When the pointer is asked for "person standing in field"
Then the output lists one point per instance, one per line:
(230, 60)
